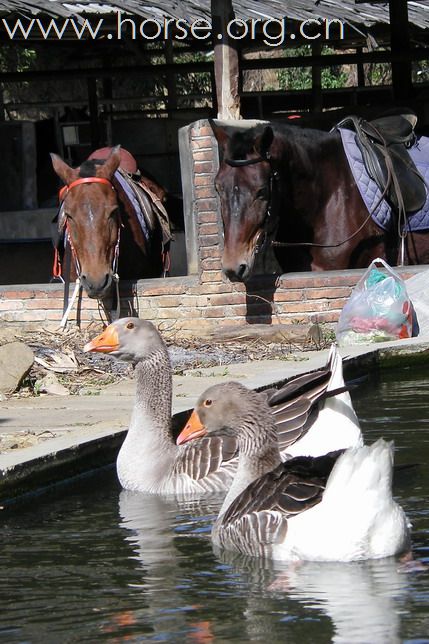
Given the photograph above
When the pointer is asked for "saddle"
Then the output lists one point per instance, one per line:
(138, 191)
(384, 145)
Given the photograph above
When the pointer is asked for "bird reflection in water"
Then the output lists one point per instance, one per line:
(362, 599)
(159, 530)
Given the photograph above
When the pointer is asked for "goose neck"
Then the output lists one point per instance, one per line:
(154, 391)
(258, 455)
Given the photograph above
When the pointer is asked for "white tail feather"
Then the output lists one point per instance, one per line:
(337, 426)
(357, 517)
(361, 470)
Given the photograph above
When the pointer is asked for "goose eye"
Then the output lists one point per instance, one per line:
(208, 402)
(130, 325)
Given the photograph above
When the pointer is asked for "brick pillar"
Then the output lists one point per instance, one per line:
(199, 162)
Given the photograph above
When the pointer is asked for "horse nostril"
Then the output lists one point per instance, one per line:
(241, 270)
(105, 281)
(236, 275)
(230, 274)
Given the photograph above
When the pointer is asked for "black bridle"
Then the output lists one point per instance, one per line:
(261, 235)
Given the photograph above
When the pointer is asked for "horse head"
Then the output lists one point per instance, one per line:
(247, 186)
(90, 215)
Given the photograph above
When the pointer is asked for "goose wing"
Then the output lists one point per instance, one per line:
(296, 405)
(212, 461)
(258, 518)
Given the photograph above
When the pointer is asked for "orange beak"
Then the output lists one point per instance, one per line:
(105, 342)
(193, 429)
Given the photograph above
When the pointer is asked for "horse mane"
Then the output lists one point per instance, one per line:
(301, 136)
(242, 142)
(89, 167)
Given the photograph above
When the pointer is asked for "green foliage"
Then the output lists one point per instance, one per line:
(21, 59)
(299, 78)
(15, 59)
(420, 72)
(334, 77)
(192, 83)
(378, 73)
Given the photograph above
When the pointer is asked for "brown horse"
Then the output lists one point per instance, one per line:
(282, 183)
(105, 234)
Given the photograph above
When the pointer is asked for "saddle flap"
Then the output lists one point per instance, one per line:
(147, 206)
(383, 144)
(394, 171)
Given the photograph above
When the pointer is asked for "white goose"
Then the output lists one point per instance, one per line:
(337, 507)
(149, 460)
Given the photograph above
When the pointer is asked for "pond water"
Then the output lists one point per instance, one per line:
(91, 563)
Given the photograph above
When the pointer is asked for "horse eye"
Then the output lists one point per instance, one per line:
(262, 193)
(208, 402)
(219, 187)
(130, 325)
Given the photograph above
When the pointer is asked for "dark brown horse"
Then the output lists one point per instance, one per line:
(105, 234)
(294, 185)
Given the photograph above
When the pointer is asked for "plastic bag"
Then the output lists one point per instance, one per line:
(378, 309)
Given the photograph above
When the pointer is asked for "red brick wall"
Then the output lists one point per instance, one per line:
(204, 300)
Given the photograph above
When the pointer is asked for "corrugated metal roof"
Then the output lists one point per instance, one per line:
(346, 10)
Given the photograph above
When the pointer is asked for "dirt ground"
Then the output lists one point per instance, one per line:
(60, 367)
(59, 353)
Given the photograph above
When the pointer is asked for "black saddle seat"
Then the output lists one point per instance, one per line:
(384, 144)
(398, 128)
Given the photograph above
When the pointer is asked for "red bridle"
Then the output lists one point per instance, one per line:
(77, 182)
(62, 194)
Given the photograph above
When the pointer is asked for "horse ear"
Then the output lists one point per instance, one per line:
(64, 171)
(263, 141)
(111, 164)
(220, 135)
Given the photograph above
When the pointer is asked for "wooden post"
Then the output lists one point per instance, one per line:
(360, 70)
(2, 114)
(170, 79)
(400, 45)
(93, 112)
(213, 91)
(226, 63)
(108, 108)
(316, 80)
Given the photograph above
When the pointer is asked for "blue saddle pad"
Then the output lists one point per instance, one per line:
(369, 190)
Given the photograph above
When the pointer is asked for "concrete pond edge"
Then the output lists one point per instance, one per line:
(64, 460)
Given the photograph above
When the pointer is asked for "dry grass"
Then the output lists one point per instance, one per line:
(60, 353)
